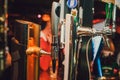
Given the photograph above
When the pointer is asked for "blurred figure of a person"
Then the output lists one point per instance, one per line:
(45, 44)
(11, 58)
(15, 55)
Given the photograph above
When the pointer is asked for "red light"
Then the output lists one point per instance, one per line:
(115, 71)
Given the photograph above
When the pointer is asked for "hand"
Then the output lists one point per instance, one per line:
(49, 38)
(107, 53)
(8, 60)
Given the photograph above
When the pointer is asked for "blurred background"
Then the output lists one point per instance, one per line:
(30, 9)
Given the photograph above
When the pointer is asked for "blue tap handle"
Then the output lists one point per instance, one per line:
(72, 3)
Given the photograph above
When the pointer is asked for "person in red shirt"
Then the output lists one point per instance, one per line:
(45, 44)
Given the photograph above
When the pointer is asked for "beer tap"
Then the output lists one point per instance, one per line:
(114, 21)
(54, 21)
(108, 9)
